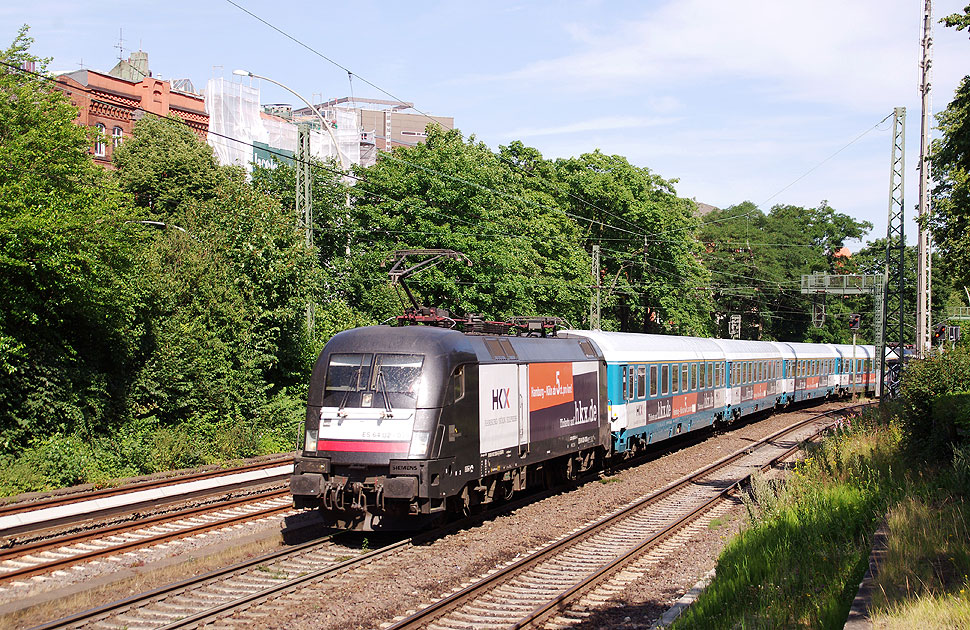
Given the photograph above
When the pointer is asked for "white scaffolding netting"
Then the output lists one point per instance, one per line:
(237, 129)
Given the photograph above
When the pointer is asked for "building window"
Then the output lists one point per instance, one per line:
(99, 144)
(116, 134)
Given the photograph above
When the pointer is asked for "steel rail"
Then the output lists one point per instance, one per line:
(11, 510)
(542, 613)
(45, 545)
(106, 610)
(474, 591)
(206, 616)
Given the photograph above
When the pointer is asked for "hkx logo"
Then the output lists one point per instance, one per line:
(500, 398)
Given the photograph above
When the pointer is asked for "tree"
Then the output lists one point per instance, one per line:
(758, 260)
(164, 164)
(959, 21)
(653, 279)
(950, 160)
(950, 221)
(449, 193)
(64, 256)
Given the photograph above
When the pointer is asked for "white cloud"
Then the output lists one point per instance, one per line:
(586, 125)
(828, 51)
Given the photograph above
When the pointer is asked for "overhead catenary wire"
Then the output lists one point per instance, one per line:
(366, 183)
(571, 195)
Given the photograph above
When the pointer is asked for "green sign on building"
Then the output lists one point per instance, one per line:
(263, 155)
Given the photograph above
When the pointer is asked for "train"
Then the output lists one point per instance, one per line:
(407, 425)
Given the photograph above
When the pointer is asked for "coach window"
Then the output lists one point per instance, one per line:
(629, 383)
(684, 377)
(653, 380)
(624, 383)
(693, 376)
(665, 379)
(641, 382)
(675, 378)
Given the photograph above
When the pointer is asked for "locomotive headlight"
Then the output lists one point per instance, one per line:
(419, 444)
(310, 445)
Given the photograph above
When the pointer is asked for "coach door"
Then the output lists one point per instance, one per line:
(523, 409)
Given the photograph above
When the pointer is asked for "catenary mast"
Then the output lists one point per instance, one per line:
(924, 303)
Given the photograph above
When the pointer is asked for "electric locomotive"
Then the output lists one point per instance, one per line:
(405, 424)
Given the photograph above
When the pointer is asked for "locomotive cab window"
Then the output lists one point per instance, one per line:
(398, 373)
(458, 383)
(587, 349)
(348, 372)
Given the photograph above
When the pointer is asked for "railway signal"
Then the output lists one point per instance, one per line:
(855, 320)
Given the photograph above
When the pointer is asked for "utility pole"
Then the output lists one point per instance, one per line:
(594, 302)
(893, 278)
(304, 200)
(924, 302)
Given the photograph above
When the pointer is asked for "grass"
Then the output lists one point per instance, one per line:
(798, 561)
(806, 543)
(941, 612)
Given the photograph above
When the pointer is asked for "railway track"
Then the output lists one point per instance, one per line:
(45, 556)
(542, 586)
(528, 591)
(29, 517)
(51, 544)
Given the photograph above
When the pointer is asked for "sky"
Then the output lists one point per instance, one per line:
(745, 100)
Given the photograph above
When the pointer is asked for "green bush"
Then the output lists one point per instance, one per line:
(935, 411)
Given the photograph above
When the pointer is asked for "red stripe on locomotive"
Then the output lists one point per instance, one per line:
(356, 446)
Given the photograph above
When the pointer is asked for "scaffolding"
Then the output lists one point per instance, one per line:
(242, 134)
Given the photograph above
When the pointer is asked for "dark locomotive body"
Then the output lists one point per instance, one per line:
(405, 424)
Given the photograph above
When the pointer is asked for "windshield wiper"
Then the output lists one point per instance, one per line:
(343, 401)
(382, 388)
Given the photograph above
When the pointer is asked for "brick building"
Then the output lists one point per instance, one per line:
(111, 103)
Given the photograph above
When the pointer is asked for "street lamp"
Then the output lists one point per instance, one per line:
(326, 124)
(344, 165)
